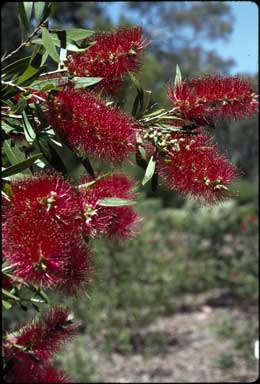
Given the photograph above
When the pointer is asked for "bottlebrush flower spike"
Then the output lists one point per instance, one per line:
(29, 372)
(42, 230)
(113, 221)
(90, 126)
(195, 167)
(32, 347)
(40, 339)
(213, 98)
(111, 57)
(78, 271)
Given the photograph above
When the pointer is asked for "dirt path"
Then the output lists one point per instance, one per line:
(190, 353)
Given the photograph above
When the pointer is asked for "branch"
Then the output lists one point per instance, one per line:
(25, 42)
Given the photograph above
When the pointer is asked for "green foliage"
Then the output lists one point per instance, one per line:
(149, 170)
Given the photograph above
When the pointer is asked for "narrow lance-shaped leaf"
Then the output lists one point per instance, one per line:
(21, 166)
(34, 68)
(38, 10)
(149, 170)
(10, 295)
(28, 129)
(25, 10)
(115, 202)
(13, 153)
(178, 76)
(28, 6)
(85, 81)
(76, 34)
(6, 304)
(49, 45)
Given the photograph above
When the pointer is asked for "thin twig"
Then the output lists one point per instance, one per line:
(53, 72)
(21, 89)
(25, 42)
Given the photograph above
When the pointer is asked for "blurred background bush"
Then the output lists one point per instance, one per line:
(178, 303)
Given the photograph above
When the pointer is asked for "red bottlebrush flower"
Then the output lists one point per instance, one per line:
(91, 127)
(111, 57)
(31, 348)
(205, 99)
(42, 229)
(194, 166)
(29, 372)
(78, 270)
(38, 340)
(119, 221)
(49, 194)
(52, 375)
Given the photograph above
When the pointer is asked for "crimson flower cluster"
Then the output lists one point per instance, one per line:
(111, 57)
(113, 221)
(42, 232)
(48, 221)
(29, 351)
(91, 127)
(187, 158)
(209, 98)
(195, 167)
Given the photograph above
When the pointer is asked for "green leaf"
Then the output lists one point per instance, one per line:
(56, 41)
(147, 99)
(28, 6)
(9, 294)
(13, 153)
(6, 127)
(28, 129)
(49, 45)
(15, 68)
(172, 128)
(44, 58)
(53, 154)
(149, 170)
(139, 100)
(21, 166)
(25, 11)
(115, 202)
(178, 76)
(6, 304)
(34, 68)
(76, 34)
(135, 81)
(43, 295)
(39, 9)
(85, 81)
(75, 48)
(155, 113)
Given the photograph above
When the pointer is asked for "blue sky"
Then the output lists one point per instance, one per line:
(242, 44)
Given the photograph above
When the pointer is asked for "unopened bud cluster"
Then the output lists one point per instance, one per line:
(164, 142)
